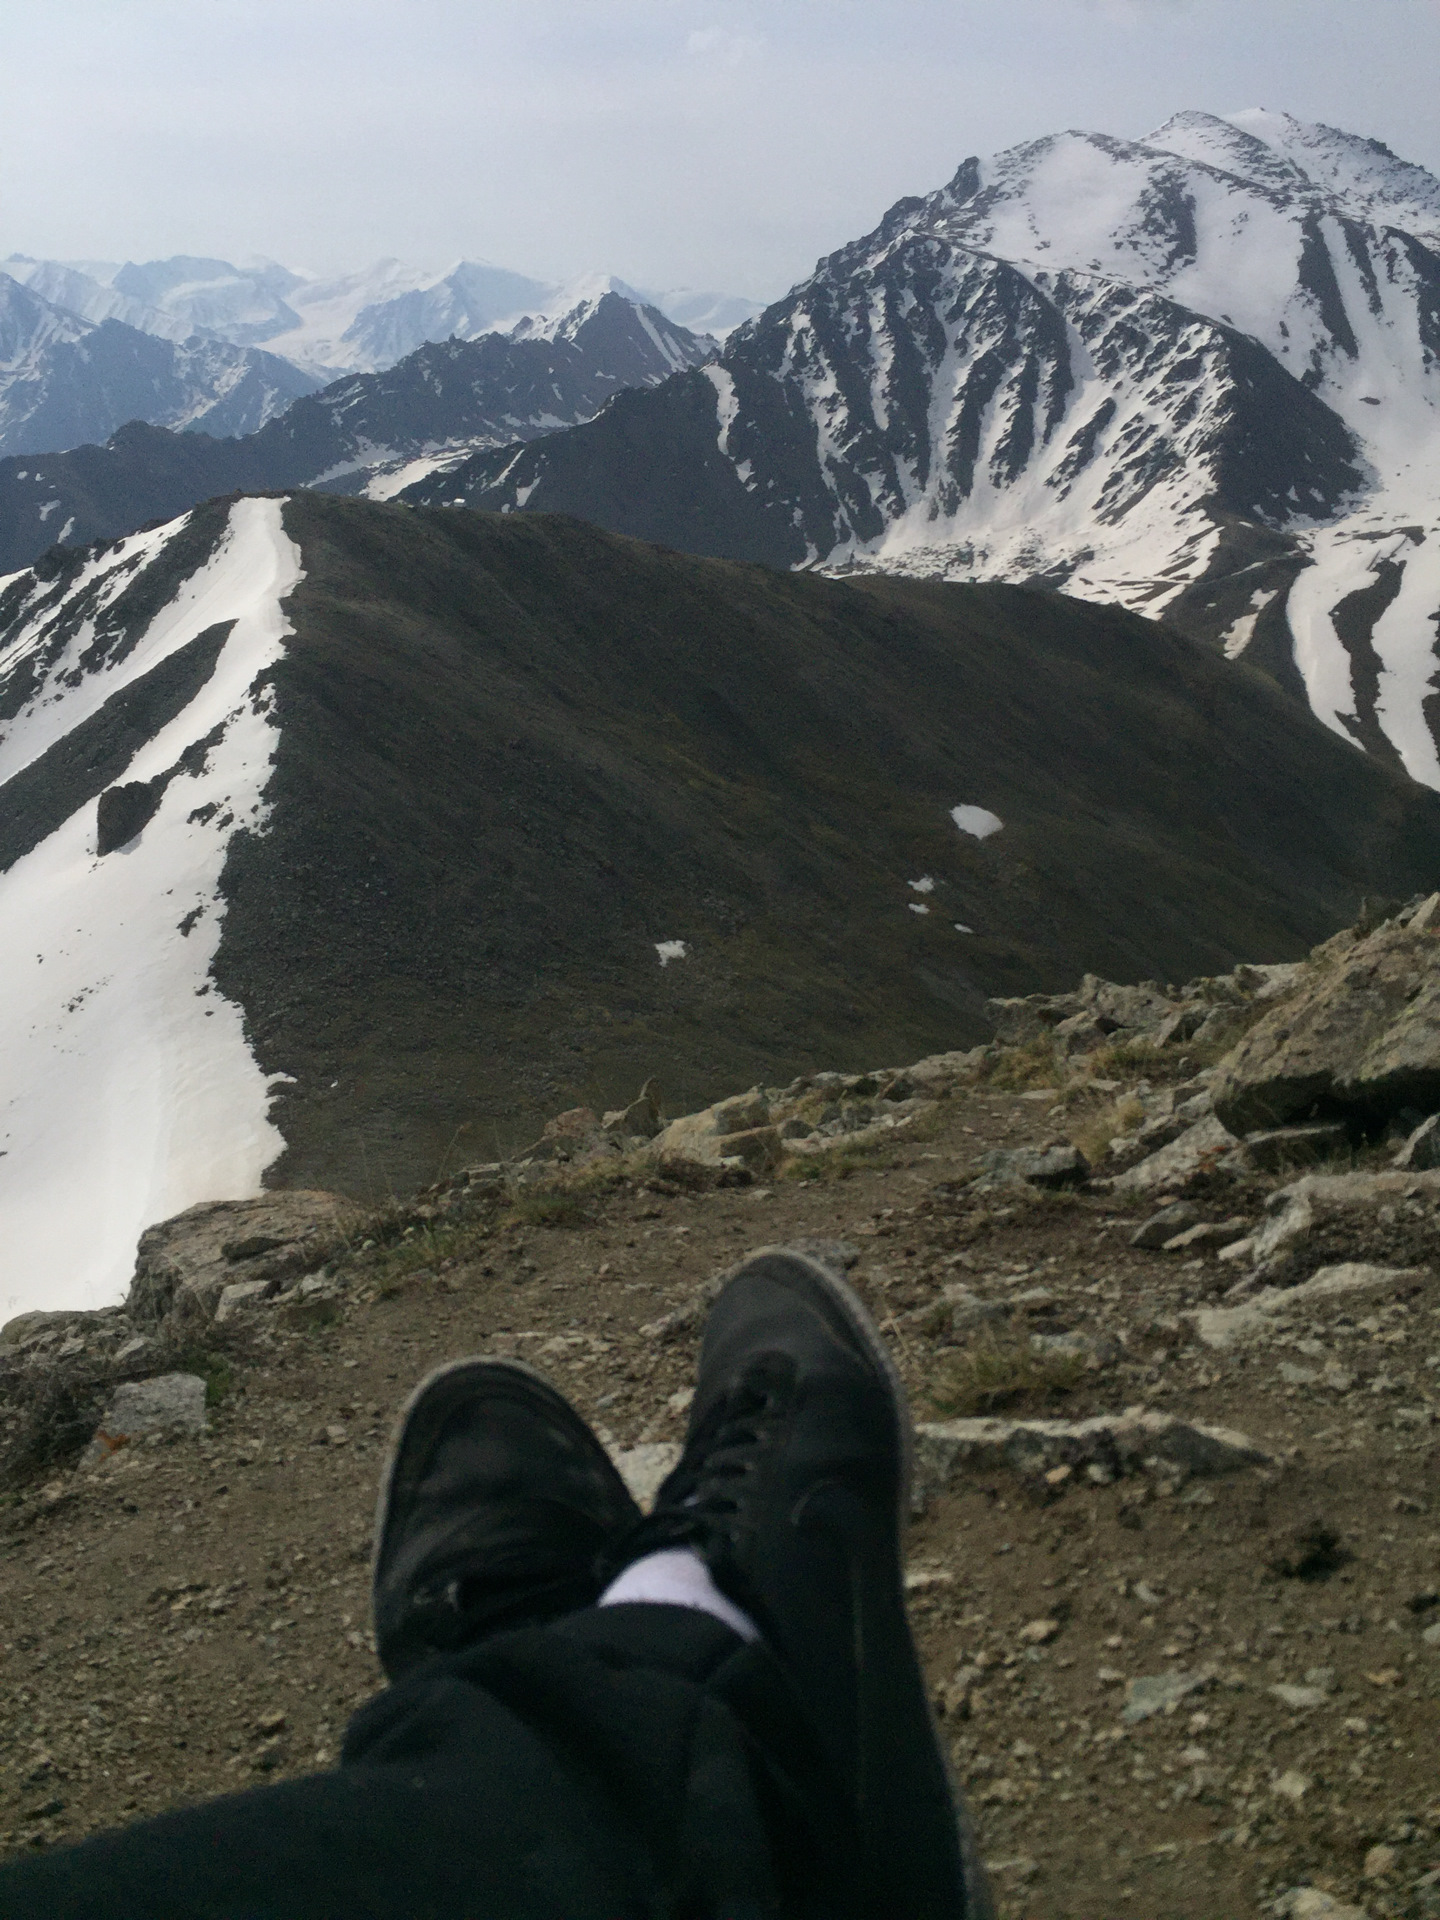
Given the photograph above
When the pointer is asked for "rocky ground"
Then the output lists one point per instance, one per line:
(1166, 1689)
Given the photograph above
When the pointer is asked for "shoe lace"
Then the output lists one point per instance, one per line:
(706, 1488)
(724, 1451)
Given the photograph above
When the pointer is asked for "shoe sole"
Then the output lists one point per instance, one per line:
(848, 1315)
(473, 1368)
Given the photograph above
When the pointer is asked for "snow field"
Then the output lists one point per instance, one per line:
(128, 1090)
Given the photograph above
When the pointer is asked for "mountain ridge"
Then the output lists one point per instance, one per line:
(443, 821)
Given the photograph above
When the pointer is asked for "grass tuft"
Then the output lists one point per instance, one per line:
(990, 1375)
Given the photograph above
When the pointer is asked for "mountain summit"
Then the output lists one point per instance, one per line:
(1198, 375)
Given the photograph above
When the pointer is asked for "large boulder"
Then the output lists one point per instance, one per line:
(1359, 1036)
(184, 1264)
(737, 1130)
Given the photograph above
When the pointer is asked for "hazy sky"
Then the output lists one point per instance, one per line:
(720, 145)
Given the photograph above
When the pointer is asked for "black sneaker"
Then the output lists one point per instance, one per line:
(794, 1486)
(496, 1503)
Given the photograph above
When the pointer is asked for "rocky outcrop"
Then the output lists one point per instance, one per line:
(1358, 1038)
(1105, 1013)
(1229, 1326)
(186, 1264)
(1103, 1449)
(1051, 1167)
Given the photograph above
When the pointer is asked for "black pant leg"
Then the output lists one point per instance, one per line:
(634, 1763)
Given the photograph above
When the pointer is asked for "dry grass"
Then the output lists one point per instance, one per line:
(1093, 1134)
(1035, 1064)
(990, 1375)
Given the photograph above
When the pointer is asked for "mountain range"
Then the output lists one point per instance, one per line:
(1196, 375)
(1014, 599)
(373, 432)
(86, 347)
(337, 835)
(65, 380)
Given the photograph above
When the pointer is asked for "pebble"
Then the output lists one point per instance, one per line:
(1292, 1785)
(1309, 1903)
(1039, 1633)
(1299, 1697)
(1158, 1693)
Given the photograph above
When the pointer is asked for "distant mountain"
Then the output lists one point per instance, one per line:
(330, 828)
(1197, 375)
(358, 322)
(64, 379)
(368, 432)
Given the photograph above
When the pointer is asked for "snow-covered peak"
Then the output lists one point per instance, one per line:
(64, 284)
(29, 325)
(1358, 176)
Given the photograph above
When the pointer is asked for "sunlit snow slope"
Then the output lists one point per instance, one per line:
(1198, 375)
(127, 1090)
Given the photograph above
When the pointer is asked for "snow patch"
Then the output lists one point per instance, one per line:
(669, 950)
(977, 821)
(923, 885)
(1237, 637)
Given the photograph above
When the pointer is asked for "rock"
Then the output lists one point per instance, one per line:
(1298, 1209)
(185, 1264)
(643, 1468)
(1035, 1166)
(1159, 1693)
(1018, 1022)
(1082, 1033)
(939, 1073)
(1379, 1861)
(642, 1119)
(1431, 1635)
(1196, 1152)
(1038, 1633)
(1225, 1326)
(1299, 1698)
(1208, 1233)
(576, 1134)
(170, 1403)
(875, 1134)
(25, 1326)
(123, 812)
(1111, 1444)
(1292, 1785)
(1283, 1147)
(1222, 1025)
(1164, 1225)
(239, 1294)
(1361, 1034)
(737, 1129)
(1420, 1152)
(1309, 1903)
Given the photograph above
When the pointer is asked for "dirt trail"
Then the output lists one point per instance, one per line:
(192, 1617)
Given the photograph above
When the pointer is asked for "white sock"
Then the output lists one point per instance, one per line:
(677, 1577)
